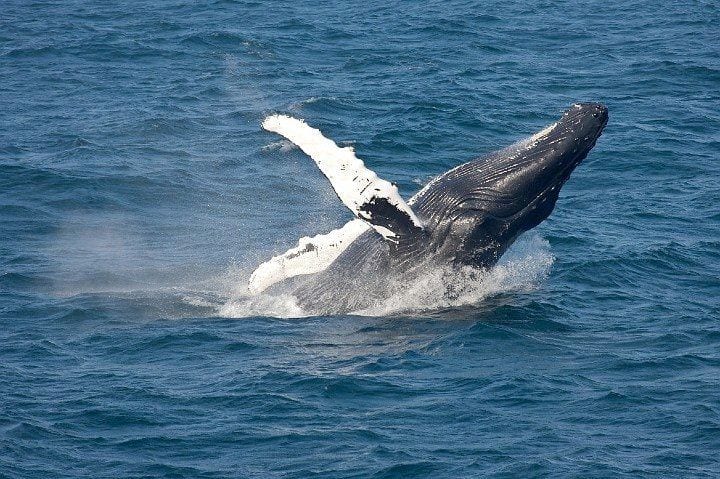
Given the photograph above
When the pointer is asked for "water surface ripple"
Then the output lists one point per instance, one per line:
(137, 192)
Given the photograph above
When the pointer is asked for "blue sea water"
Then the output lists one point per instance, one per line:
(137, 192)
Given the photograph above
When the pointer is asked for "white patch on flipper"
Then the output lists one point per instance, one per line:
(354, 184)
(311, 255)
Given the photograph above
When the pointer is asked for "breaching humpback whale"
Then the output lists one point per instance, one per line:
(468, 216)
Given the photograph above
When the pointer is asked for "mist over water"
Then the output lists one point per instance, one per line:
(138, 193)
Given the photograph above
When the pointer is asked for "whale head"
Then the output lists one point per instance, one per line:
(478, 209)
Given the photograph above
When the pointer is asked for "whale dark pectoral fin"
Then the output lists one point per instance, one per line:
(392, 222)
(372, 199)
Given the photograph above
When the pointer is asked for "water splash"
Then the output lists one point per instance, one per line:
(276, 306)
(521, 269)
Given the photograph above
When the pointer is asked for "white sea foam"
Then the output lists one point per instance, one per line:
(240, 303)
(521, 269)
(276, 306)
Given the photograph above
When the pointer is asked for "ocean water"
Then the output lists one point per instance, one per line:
(138, 192)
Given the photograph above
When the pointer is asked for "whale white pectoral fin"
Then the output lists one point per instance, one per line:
(311, 255)
(370, 198)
